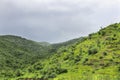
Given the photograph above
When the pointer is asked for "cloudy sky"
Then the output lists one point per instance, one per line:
(56, 20)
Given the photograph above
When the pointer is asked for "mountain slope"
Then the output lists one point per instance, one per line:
(56, 46)
(17, 52)
(94, 58)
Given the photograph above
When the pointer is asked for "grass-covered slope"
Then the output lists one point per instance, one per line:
(96, 57)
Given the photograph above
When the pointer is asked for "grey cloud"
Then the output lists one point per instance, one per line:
(55, 21)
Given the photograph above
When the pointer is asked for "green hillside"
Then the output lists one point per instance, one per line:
(96, 57)
(56, 46)
(17, 53)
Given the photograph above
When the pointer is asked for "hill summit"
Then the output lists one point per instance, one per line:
(95, 57)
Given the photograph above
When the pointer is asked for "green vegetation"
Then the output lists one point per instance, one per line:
(95, 57)
(17, 53)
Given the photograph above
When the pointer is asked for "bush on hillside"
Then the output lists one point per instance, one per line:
(92, 51)
(102, 33)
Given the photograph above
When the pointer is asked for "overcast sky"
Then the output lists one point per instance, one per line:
(56, 20)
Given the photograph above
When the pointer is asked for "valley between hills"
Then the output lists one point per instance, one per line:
(93, 57)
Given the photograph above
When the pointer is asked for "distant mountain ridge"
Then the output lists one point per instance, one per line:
(95, 57)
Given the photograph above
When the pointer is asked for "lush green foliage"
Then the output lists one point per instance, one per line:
(17, 53)
(95, 57)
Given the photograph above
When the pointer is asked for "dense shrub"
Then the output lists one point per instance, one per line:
(38, 66)
(104, 53)
(77, 59)
(18, 73)
(62, 71)
(52, 75)
(53, 71)
(92, 51)
(102, 33)
(101, 57)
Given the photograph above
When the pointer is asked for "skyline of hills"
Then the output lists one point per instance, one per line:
(94, 57)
